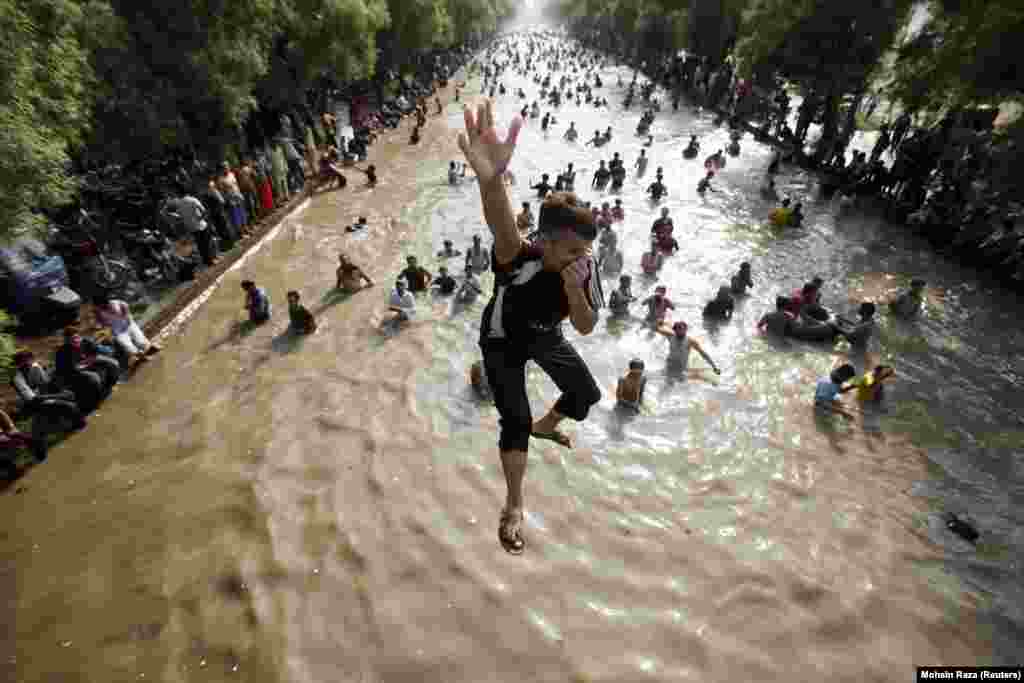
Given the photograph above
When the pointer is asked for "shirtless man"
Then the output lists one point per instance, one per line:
(449, 250)
(351, 277)
(629, 393)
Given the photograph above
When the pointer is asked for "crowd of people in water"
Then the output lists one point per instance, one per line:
(547, 266)
(546, 269)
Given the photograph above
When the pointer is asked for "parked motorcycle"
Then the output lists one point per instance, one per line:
(86, 260)
(153, 254)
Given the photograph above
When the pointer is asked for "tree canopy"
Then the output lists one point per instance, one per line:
(43, 105)
(121, 80)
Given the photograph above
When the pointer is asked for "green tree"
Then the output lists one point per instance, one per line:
(173, 74)
(968, 52)
(43, 106)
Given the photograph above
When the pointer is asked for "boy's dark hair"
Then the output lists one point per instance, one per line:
(563, 210)
(867, 309)
(843, 374)
(248, 284)
(636, 364)
(292, 293)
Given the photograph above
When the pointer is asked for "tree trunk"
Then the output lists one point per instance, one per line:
(829, 129)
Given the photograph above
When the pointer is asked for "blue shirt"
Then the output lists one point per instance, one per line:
(259, 303)
(826, 392)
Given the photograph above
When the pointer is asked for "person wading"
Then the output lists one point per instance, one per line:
(537, 286)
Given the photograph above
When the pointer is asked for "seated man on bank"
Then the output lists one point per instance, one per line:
(82, 367)
(11, 439)
(351, 277)
(39, 395)
(117, 316)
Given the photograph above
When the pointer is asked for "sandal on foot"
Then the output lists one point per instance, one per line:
(556, 436)
(510, 532)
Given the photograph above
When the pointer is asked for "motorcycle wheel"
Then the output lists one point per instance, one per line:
(113, 277)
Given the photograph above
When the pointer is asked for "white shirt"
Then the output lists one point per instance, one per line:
(405, 301)
(191, 211)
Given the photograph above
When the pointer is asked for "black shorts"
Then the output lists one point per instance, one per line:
(505, 365)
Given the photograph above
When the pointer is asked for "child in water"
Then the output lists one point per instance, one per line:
(629, 393)
(302, 321)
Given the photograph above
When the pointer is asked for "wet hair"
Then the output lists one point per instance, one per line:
(817, 282)
(563, 211)
(292, 293)
(248, 284)
(636, 364)
(844, 373)
(745, 265)
(625, 278)
(867, 309)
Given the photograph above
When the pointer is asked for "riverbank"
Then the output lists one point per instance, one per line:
(165, 561)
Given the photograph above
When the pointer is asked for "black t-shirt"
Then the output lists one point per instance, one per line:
(529, 301)
(417, 278)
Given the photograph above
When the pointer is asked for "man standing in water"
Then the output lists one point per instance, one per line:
(537, 286)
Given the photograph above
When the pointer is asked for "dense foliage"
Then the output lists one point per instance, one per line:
(120, 80)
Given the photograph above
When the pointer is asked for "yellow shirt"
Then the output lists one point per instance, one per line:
(867, 388)
(780, 216)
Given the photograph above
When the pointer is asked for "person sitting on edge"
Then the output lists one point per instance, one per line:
(444, 282)
(742, 281)
(401, 305)
(778, 321)
(470, 288)
(828, 390)
(11, 439)
(417, 276)
(38, 394)
(629, 393)
(351, 277)
(524, 221)
(79, 366)
(478, 257)
(658, 306)
(621, 298)
(449, 250)
(257, 303)
(302, 321)
(618, 213)
(117, 316)
(721, 307)
(680, 345)
(871, 386)
(908, 304)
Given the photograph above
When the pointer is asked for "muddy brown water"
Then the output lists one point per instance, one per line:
(258, 508)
